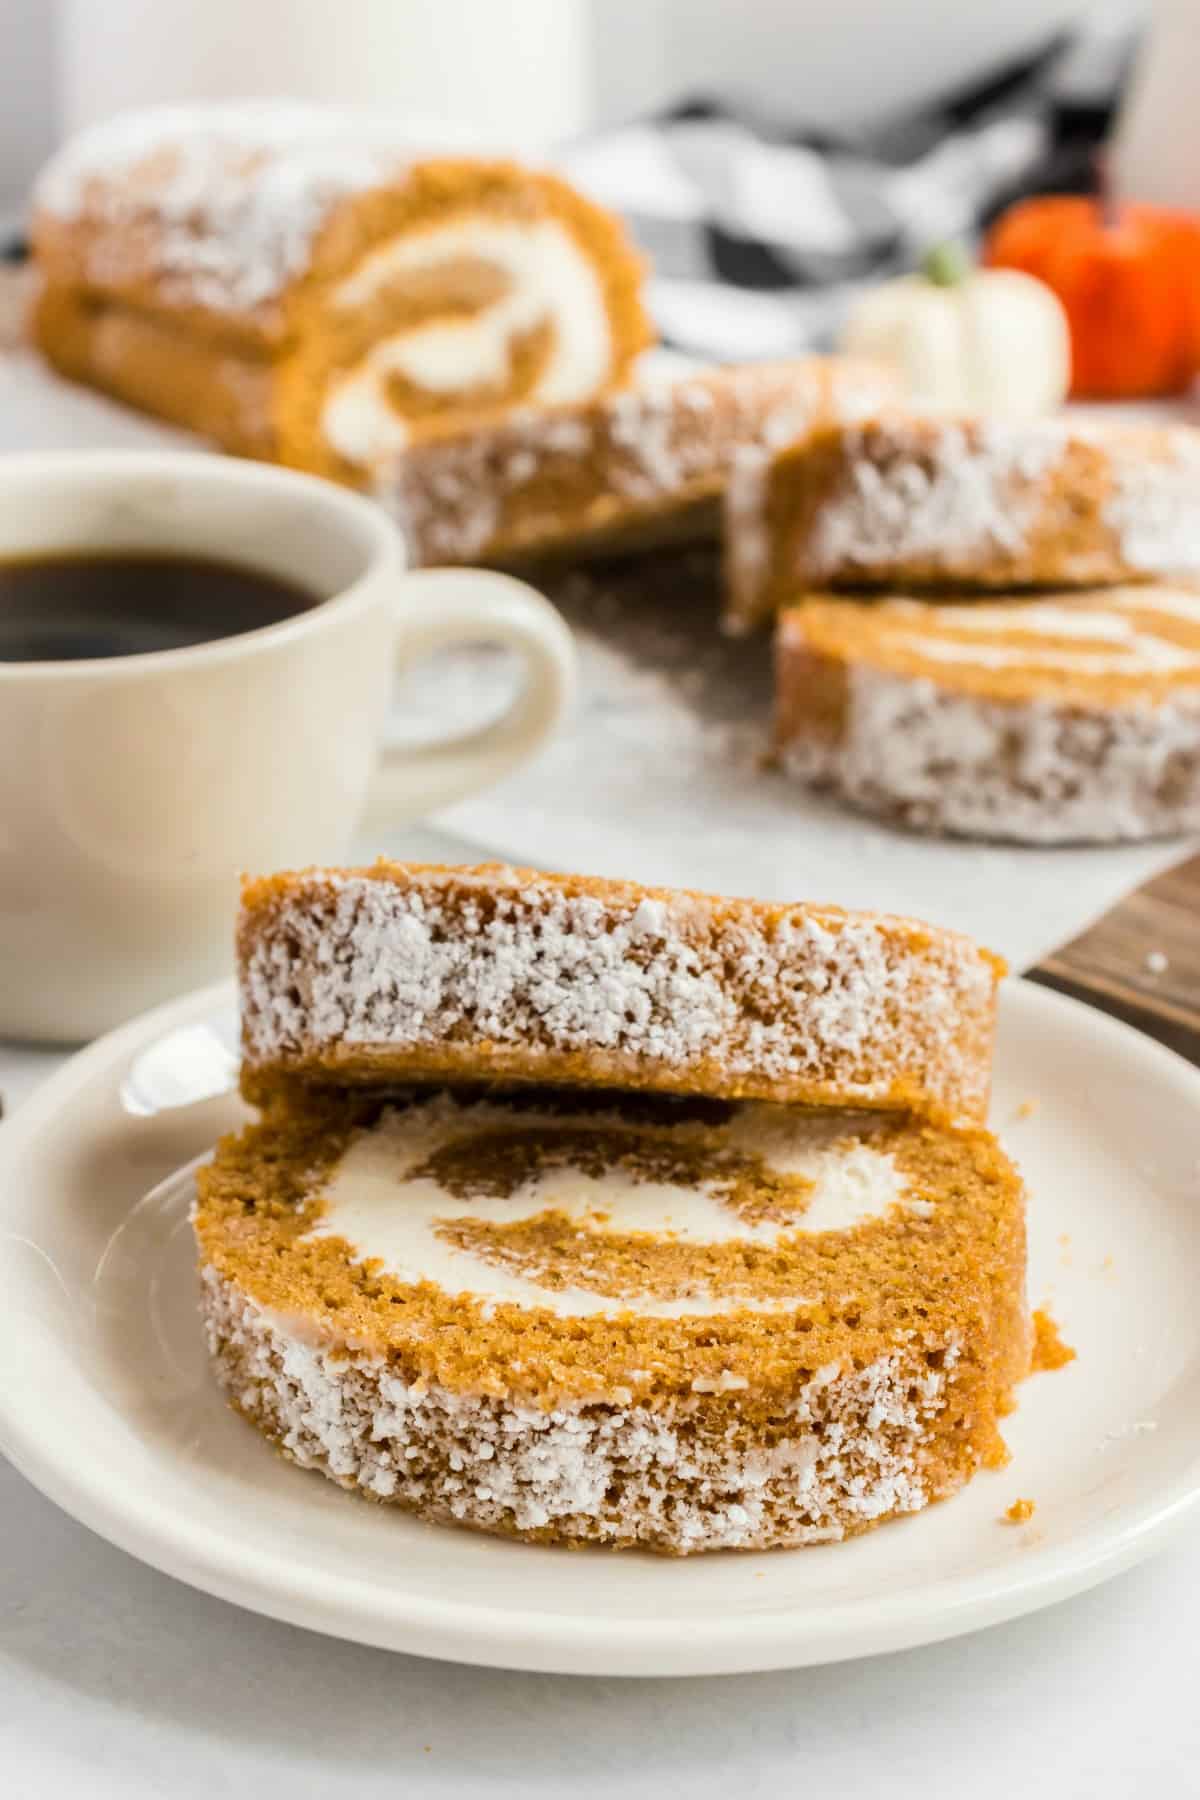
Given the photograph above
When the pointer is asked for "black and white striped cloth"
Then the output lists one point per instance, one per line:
(758, 238)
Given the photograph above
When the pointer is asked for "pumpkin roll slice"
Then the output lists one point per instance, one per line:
(403, 972)
(910, 502)
(1072, 718)
(639, 467)
(619, 1320)
(301, 284)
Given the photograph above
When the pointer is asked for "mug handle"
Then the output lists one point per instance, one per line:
(443, 607)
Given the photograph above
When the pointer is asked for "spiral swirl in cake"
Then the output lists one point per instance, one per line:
(1071, 717)
(306, 284)
(620, 1319)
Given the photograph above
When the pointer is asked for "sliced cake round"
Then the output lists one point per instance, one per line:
(616, 1319)
(1073, 718)
(905, 501)
(407, 971)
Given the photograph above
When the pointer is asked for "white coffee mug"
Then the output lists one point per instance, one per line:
(135, 789)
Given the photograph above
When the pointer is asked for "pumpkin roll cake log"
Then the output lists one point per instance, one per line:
(403, 972)
(619, 1319)
(641, 466)
(302, 285)
(1072, 717)
(903, 501)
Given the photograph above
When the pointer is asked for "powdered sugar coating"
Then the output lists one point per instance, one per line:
(677, 1478)
(536, 476)
(1154, 508)
(856, 391)
(238, 191)
(656, 990)
(985, 503)
(962, 495)
(1033, 771)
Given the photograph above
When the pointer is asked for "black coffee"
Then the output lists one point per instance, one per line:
(67, 608)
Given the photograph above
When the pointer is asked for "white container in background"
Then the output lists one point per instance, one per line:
(530, 73)
(514, 72)
(26, 115)
(1156, 155)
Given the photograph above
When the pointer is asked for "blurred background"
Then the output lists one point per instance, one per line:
(538, 73)
(769, 147)
(536, 70)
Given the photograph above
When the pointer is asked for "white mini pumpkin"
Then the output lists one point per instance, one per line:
(967, 339)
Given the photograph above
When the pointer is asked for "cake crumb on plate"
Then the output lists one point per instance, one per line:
(1049, 1351)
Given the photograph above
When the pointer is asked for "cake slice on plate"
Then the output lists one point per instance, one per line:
(403, 972)
(533, 1235)
(618, 1319)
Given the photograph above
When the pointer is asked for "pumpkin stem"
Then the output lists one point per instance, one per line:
(947, 265)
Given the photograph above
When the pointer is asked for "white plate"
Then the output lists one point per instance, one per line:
(107, 1405)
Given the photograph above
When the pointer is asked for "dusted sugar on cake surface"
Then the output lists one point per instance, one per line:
(617, 1319)
(1063, 718)
(904, 501)
(408, 971)
(644, 465)
(307, 284)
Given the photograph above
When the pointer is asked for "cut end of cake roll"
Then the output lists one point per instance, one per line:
(303, 284)
(619, 1319)
(1071, 717)
(637, 468)
(905, 501)
(402, 972)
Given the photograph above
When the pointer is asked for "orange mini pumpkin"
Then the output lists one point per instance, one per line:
(1129, 279)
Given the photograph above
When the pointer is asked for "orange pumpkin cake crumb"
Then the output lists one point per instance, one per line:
(1049, 1351)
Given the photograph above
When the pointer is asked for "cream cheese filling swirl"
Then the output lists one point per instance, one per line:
(545, 280)
(386, 1201)
(1112, 634)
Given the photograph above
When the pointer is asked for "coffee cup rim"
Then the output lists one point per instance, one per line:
(384, 552)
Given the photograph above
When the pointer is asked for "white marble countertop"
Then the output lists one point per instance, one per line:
(117, 1683)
